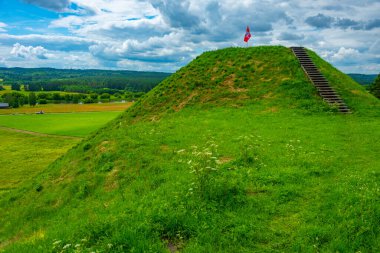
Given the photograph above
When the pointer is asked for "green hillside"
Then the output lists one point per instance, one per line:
(235, 152)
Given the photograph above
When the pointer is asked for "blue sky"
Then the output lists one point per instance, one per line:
(164, 35)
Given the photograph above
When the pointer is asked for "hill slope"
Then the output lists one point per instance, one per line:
(233, 153)
(266, 76)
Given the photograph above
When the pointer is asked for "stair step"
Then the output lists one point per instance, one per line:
(334, 99)
(323, 93)
(329, 92)
(330, 97)
(320, 82)
(324, 82)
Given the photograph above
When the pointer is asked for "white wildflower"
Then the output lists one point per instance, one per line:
(66, 246)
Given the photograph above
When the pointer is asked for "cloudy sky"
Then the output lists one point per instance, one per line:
(163, 35)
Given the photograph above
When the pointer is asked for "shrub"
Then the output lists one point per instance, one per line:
(42, 101)
(88, 100)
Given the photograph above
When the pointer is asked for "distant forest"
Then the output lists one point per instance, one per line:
(83, 81)
(363, 79)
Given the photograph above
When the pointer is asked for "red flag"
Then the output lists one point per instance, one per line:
(247, 35)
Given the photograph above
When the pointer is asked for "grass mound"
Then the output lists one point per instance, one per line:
(269, 77)
(245, 158)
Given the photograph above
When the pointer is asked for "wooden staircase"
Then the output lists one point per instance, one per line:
(320, 82)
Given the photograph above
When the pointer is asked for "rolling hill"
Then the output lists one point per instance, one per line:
(363, 79)
(235, 152)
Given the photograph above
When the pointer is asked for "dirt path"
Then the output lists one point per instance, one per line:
(38, 134)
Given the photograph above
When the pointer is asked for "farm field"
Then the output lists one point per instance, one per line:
(69, 124)
(23, 155)
(8, 89)
(58, 108)
(30, 142)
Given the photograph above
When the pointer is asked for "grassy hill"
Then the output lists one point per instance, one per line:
(233, 153)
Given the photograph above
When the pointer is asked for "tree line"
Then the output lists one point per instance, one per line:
(17, 99)
(83, 81)
(375, 87)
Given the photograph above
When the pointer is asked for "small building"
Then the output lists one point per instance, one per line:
(4, 105)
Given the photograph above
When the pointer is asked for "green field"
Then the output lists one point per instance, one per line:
(70, 124)
(30, 142)
(67, 108)
(235, 152)
(23, 155)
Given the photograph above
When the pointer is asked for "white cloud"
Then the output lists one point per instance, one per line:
(55, 59)
(29, 52)
(2, 62)
(2, 27)
(345, 53)
(51, 42)
(147, 66)
(56, 5)
(167, 34)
